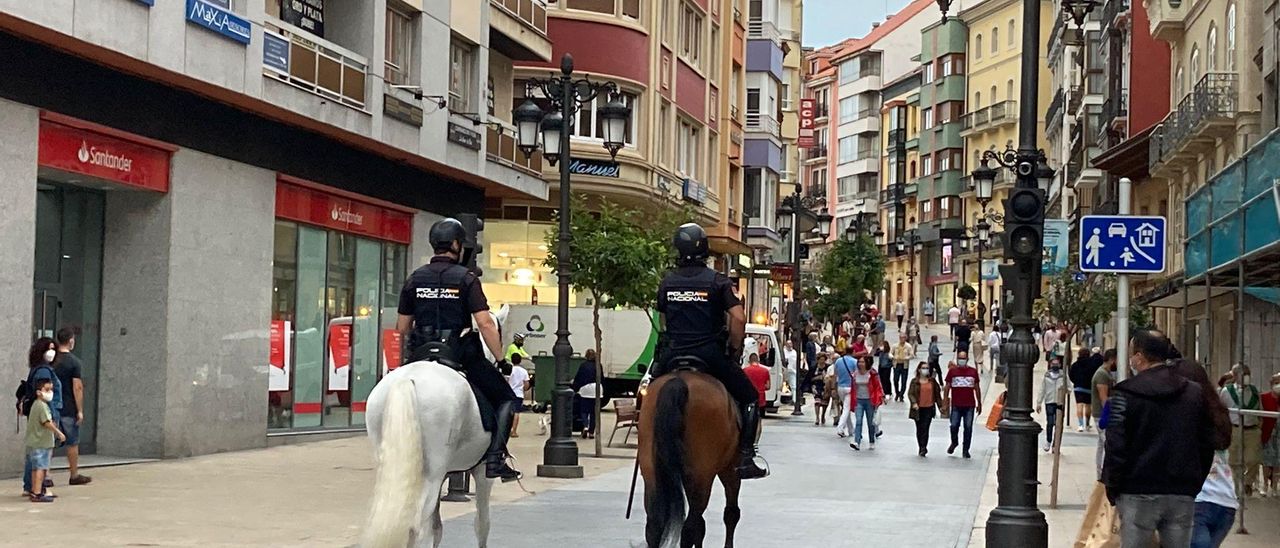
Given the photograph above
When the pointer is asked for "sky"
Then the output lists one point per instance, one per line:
(829, 21)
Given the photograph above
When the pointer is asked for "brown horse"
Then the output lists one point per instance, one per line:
(687, 438)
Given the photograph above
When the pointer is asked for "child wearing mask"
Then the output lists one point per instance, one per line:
(41, 430)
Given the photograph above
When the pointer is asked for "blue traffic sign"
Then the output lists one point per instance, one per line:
(1122, 244)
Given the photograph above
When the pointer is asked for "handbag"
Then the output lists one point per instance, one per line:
(875, 419)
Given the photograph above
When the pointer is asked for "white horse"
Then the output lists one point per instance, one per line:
(423, 421)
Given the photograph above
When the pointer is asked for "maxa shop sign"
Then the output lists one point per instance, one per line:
(219, 20)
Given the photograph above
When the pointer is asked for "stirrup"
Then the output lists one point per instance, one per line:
(500, 469)
(747, 468)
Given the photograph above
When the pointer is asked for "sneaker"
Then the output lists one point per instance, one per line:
(855, 447)
(41, 498)
(967, 455)
(79, 479)
(871, 447)
(840, 434)
(1079, 429)
(952, 449)
(48, 482)
(1088, 428)
(923, 452)
(1047, 447)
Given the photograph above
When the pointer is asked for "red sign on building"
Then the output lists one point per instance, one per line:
(312, 206)
(808, 111)
(96, 155)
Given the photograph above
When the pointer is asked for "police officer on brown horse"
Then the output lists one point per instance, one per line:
(439, 302)
(704, 319)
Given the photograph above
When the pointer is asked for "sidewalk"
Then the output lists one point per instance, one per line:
(312, 494)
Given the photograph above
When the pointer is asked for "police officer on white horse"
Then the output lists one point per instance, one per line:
(694, 301)
(437, 306)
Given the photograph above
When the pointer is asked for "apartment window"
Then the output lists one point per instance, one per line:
(1178, 84)
(687, 153)
(462, 79)
(1008, 90)
(926, 117)
(950, 207)
(848, 149)
(691, 34)
(995, 40)
(668, 26)
(977, 100)
(590, 127)
(1231, 37)
(753, 100)
(713, 151)
(1010, 34)
(848, 109)
(664, 125)
(399, 64)
(848, 72)
(1213, 48)
(629, 8)
(928, 73)
(1195, 64)
(977, 48)
(786, 96)
(714, 66)
(951, 158)
(926, 165)
(926, 211)
(952, 64)
(951, 111)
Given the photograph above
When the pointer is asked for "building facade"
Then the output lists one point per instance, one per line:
(900, 136)
(223, 198)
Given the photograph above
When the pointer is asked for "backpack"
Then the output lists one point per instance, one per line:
(25, 395)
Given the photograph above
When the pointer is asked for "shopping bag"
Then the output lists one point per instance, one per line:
(875, 419)
(994, 416)
(1101, 525)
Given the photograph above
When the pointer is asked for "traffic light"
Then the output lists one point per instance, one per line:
(471, 247)
(1024, 223)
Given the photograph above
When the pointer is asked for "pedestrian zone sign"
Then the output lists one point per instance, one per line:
(1122, 244)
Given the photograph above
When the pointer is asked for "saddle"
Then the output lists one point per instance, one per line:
(488, 413)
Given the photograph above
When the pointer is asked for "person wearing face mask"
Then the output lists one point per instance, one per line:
(1242, 394)
(41, 429)
(1160, 443)
(924, 394)
(1053, 389)
(40, 360)
(1271, 439)
(964, 390)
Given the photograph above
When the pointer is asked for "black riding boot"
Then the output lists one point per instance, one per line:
(496, 457)
(747, 468)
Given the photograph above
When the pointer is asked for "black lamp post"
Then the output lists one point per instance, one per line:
(565, 96)
(1017, 520)
(912, 243)
(793, 207)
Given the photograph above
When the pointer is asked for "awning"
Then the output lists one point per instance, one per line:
(727, 246)
(1195, 294)
(1129, 158)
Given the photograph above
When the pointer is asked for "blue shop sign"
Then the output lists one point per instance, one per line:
(219, 20)
(275, 53)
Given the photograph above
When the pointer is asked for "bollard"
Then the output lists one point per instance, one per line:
(459, 487)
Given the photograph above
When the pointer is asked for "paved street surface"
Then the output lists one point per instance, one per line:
(821, 493)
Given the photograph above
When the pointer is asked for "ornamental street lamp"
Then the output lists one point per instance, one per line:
(793, 207)
(566, 96)
(1016, 520)
(912, 243)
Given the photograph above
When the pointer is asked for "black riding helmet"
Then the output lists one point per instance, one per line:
(690, 242)
(444, 233)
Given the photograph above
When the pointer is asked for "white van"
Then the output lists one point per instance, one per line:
(759, 337)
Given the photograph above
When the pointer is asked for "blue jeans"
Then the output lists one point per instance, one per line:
(1051, 420)
(864, 409)
(26, 466)
(1141, 516)
(959, 414)
(1212, 525)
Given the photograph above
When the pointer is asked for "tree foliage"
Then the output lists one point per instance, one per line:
(1078, 304)
(849, 270)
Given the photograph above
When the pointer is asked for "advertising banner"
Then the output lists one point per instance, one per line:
(306, 14)
(390, 350)
(339, 356)
(279, 356)
(808, 111)
(1057, 234)
(990, 270)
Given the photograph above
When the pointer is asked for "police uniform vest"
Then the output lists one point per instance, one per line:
(439, 304)
(694, 312)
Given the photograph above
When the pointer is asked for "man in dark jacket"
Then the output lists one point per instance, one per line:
(584, 409)
(1159, 446)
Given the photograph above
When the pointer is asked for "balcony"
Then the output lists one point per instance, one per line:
(501, 148)
(815, 153)
(897, 142)
(518, 29)
(317, 65)
(913, 143)
(1203, 116)
(1167, 18)
(1053, 116)
(758, 122)
(866, 121)
(759, 29)
(893, 195)
(1083, 175)
(998, 115)
(821, 110)
(1113, 9)
(1115, 111)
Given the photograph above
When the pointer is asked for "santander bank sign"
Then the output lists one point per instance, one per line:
(82, 151)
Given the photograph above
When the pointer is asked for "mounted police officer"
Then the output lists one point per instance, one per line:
(437, 306)
(694, 301)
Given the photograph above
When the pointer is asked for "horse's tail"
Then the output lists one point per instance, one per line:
(397, 490)
(668, 502)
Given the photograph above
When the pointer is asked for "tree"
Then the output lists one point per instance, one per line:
(1077, 303)
(849, 270)
(618, 255)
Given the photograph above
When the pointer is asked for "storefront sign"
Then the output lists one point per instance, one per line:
(311, 206)
(694, 191)
(399, 109)
(339, 354)
(281, 347)
(808, 111)
(220, 20)
(97, 155)
(463, 136)
(391, 340)
(275, 53)
(990, 270)
(947, 257)
(597, 168)
(782, 274)
(305, 14)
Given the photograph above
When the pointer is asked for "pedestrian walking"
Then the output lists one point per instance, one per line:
(859, 347)
(1271, 439)
(1053, 399)
(1216, 504)
(1102, 382)
(994, 341)
(995, 312)
(1246, 446)
(867, 397)
(41, 430)
(845, 367)
(978, 346)
(759, 377)
(900, 311)
(963, 391)
(924, 394)
(1159, 446)
(819, 387)
(935, 353)
(835, 406)
(963, 335)
(1081, 375)
(1047, 342)
(789, 360)
(929, 311)
(585, 407)
(884, 363)
(518, 379)
(953, 319)
(40, 367)
(913, 331)
(69, 370)
(902, 355)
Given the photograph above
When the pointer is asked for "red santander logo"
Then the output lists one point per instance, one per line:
(104, 158)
